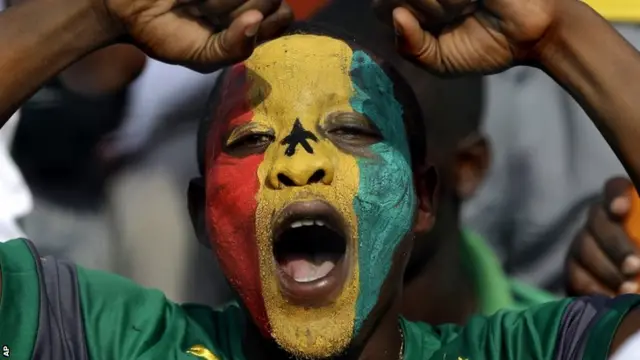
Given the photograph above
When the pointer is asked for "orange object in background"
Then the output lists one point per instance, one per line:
(632, 222)
(304, 9)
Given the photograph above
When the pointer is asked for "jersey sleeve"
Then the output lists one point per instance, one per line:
(53, 310)
(569, 329)
(125, 321)
(20, 305)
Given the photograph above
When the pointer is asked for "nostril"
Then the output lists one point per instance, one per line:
(285, 180)
(316, 177)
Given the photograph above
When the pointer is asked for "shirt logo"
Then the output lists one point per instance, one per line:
(201, 352)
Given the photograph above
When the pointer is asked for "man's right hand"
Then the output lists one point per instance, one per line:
(204, 35)
(602, 258)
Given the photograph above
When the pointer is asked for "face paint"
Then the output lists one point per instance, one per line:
(386, 200)
(297, 136)
(301, 80)
(229, 204)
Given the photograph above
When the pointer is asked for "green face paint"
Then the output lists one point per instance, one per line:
(386, 200)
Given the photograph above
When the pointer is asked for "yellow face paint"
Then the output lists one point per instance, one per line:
(309, 79)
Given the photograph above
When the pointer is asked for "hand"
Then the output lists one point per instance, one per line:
(602, 258)
(451, 37)
(204, 35)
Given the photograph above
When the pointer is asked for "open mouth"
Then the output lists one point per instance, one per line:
(309, 248)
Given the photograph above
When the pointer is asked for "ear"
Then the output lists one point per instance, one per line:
(426, 184)
(196, 198)
(472, 161)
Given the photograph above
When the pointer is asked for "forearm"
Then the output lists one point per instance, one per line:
(39, 39)
(601, 70)
(105, 71)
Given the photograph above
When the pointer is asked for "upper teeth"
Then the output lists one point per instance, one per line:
(297, 224)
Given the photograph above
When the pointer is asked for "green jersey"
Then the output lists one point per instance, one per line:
(54, 310)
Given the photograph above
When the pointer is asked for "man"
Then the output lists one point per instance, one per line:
(531, 230)
(315, 129)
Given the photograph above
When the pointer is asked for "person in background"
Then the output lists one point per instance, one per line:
(548, 166)
(60, 158)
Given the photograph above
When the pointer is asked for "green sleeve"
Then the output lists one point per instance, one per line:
(126, 321)
(19, 305)
(569, 329)
(509, 335)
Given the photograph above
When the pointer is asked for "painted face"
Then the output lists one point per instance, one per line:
(309, 188)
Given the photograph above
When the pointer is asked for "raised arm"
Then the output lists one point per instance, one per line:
(601, 70)
(40, 38)
(565, 38)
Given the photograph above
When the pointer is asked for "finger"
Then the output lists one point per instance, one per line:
(594, 260)
(616, 197)
(439, 12)
(612, 239)
(266, 7)
(220, 13)
(580, 282)
(273, 25)
(414, 41)
(234, 44)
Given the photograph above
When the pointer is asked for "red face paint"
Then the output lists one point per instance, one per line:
(232, 185)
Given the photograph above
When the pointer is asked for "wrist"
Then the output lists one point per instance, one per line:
(572, 18)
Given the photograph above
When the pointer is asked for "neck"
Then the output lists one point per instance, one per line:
(383, 343)
(441, 291)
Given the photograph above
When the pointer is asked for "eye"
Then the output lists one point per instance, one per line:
(251, 141)
(356, 133)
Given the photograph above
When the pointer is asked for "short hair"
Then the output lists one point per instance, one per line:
(412, 115)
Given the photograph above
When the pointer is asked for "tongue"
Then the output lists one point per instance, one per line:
(304, 268)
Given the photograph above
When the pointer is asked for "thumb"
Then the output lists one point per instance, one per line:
(413, 41)
(235, 43)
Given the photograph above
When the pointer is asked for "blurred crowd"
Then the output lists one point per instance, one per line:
(96, 165)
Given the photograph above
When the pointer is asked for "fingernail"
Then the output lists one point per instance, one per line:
(629, 287)
(252, 30)
(620, 205)
(631, 265)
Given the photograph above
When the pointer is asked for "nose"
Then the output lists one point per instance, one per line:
(301, 170)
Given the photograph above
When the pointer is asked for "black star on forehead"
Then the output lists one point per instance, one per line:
(298, 135)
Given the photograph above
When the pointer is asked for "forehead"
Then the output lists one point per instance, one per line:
(297, 73)
(306, 77)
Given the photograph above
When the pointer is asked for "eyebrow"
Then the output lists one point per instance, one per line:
(241, 130)
(354, 116)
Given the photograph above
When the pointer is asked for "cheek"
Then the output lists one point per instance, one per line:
(232, 185)
(385, 206)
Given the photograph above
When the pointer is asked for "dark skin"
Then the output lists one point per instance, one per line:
(438, 283)
(602, 258)
(573, 44)
(105, 71)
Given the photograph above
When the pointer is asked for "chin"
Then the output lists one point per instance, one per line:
(309, 276)
(313, 333)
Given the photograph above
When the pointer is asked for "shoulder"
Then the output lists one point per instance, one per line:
(53, 309)
(568, 329)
